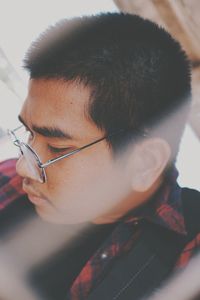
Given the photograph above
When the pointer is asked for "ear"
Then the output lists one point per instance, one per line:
(147, 163)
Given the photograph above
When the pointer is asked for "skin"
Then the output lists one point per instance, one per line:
(88, 186)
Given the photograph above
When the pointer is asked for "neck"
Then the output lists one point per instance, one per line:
(132, 201)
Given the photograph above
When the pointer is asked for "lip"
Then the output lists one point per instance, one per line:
(35, 199)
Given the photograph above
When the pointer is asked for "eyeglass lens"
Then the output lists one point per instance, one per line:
(32, 162)
(21, 140)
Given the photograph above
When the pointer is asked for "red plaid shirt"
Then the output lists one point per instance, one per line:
(165, 210)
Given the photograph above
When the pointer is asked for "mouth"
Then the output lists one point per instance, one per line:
(35, 199)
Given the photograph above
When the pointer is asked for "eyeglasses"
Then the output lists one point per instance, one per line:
(33, 161)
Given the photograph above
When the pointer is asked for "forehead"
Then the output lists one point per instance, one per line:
(59, 103)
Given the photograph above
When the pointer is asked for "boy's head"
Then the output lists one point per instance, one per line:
(92, 77)
(136, 72)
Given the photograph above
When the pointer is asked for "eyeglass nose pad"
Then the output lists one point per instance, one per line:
(44, 177)
(21, 151)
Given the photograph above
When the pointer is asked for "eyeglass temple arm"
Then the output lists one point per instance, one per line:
(71, 153)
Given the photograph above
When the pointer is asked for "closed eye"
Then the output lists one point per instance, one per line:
(59, 150)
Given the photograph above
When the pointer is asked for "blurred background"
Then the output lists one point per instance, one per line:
(22, 21)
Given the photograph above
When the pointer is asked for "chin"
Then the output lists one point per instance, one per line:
(48, 216)
(53, 216)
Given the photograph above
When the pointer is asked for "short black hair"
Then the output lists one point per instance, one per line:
(136, 71)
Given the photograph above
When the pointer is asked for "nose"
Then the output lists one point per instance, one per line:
(26, 170)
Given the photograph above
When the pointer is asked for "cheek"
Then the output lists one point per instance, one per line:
(75, 173)
(76, 185)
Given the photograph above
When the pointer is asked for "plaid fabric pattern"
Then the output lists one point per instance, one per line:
(187, 253)
(163, 209)
(102, 260)
(10, 183)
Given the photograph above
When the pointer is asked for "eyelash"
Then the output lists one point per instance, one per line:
(57, 150)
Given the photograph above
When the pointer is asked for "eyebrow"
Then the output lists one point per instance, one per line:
(50, 132)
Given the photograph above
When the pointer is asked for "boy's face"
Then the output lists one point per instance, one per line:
(68, 196)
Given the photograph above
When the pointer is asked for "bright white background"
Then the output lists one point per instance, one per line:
(21, 21)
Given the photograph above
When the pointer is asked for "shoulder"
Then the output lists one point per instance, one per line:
(191, 210)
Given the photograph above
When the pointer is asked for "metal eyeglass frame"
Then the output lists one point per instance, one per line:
(41, 165)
